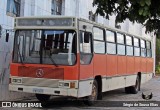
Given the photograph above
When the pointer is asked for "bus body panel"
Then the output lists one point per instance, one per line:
(50, 72)
(111, 65)
(130, 65)
(86, 71)
(122, 69)
(137, 64)
(150, 64)
(99, 60)
(143, 65)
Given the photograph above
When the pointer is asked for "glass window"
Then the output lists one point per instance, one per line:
(136, 42)
(120, 38)
(128, 40)
(136, 51)
(143, 44)
(143, 52)
(98, 33)
(56, 7)
(110, 36)
(130, 50)
(121, 49)
(45, 47)
(148, 44)
(85, 42)
(13, 8)
(149, 53)
(85, 47)
(111, 48)
(99, 47)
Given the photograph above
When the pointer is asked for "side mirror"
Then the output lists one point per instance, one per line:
(7, 37)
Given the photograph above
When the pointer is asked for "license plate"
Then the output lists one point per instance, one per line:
(35, 90)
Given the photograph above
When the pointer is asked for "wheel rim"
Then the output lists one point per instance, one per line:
(94, 93)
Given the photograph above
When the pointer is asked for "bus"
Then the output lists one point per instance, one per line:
(69, 56)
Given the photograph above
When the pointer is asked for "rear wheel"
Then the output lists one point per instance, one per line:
(43, 97)
(133, 89)
(93, 97)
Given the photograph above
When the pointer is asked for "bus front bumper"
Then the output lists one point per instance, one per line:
(44, 90)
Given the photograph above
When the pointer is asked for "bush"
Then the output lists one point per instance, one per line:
(158, 69)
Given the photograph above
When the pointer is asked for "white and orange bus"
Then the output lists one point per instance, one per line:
(69, 56)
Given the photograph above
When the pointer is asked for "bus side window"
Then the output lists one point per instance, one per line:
(137, 47)
(85, 47)
(129, 45)
(143, 48)
(121, 44)
(149, 49)
(111, 42)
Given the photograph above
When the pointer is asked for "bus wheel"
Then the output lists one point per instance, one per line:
(134, 89)
(93, 97)
(43, 97)
(127, 90)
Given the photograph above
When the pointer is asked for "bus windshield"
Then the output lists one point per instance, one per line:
(57, 47)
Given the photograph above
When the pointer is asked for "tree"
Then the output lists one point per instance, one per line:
(157, 51)
(146, 12)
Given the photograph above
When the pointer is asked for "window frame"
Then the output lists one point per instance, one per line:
(82, 53)
(54, 5)
(143, 47)
(114, 32)
(135, 46)
(13, 8)
(127, 45)
(98, 40)
(150, 49)
(123, 38)
(114, 36)
(124, 43)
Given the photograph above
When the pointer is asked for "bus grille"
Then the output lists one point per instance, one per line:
(40, 82)
(44, 72)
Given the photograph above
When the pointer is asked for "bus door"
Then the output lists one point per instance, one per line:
(86, 55)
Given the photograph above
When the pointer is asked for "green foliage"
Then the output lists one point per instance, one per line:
(146, 12)
(157, 51)
(158, 69)
(158, 47)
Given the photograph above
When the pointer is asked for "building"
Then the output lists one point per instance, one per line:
(79, 8)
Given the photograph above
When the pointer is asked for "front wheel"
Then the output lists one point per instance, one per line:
(93, 97)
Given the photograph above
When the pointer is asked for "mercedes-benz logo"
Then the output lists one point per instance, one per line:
(39, 73)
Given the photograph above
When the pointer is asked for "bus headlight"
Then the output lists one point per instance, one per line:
(65, 84)
(17, 81)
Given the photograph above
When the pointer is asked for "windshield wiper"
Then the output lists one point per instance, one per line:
(53, 60)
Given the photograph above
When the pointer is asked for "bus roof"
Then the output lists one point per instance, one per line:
(61, 22)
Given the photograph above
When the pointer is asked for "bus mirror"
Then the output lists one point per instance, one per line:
(7, 37)
(86, 37)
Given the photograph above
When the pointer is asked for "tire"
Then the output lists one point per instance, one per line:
(127, 90)
(90, 100)
(43, 97)
(135, 88)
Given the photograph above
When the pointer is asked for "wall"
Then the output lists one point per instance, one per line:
(5, 54)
